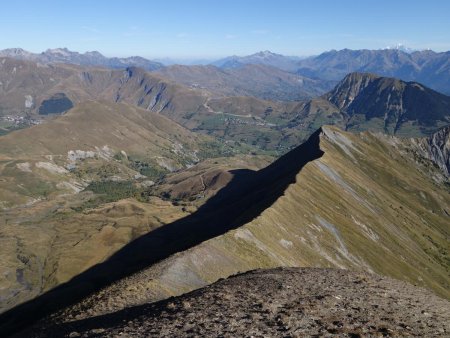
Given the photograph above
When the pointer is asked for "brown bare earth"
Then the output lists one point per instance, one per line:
(282, 302)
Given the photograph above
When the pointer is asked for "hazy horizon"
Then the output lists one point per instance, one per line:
(203, 29)
(201, 59)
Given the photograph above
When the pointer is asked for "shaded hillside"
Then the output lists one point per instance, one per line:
(390, 105)
(236, 204)
(54, 174)
(80, 222)
(370, 202)
(340, 200)
(26, 85)
(427, 67)
(202, 181)
(277, 302)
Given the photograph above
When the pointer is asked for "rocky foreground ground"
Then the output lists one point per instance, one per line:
(282, 302)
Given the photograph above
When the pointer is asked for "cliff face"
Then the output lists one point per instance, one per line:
(25, 86)
(436, 148)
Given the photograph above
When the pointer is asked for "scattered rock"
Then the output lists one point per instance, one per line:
(273, 303)
(24, 166)
(51, 167)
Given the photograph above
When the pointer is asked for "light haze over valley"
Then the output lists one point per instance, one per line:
(200, 168)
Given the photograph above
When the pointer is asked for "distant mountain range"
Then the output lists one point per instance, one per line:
(262, 75)
(287, 63)
(63, 55)
(427, 67)
(132, 184)
(258, 80)
(360, 101)
(322, 71)
(403, 48)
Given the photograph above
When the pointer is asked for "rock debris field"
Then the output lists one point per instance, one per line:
(282, 302)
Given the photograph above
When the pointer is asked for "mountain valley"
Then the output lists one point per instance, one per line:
(335, 201)
(273, 126)
(129, 189)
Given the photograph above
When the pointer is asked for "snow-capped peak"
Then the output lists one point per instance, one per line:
(264, 54)
(60, 51)
(401, 47)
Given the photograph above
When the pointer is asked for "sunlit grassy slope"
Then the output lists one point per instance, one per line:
(366, 204)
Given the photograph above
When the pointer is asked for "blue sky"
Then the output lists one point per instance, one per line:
(209, 29)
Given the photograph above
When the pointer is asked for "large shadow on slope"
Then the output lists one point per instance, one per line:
(243, 199)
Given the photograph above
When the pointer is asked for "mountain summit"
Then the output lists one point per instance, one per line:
(391, 104)
(266, 58)
(427, 67)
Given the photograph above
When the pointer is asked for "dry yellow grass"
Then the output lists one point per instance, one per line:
(364, 205)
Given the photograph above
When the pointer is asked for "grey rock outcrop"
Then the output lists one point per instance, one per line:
(436, 148)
